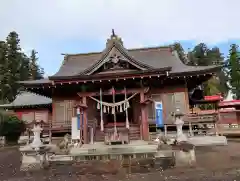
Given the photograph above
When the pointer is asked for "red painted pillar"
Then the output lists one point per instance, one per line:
(144, 116)
(85, 128)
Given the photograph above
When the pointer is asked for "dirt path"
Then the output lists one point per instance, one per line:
(213, 164)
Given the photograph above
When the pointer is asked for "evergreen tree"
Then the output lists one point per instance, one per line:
(42, 72)
(203, 56)
(13, 71)
(180, 51)
(35, 71)
(234, 71)
(221, 77)
(24, 67)
(3, 68)
(15, 66)
(199, 55)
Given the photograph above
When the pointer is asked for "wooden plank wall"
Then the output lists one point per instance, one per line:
(64, 111)
(171, 98)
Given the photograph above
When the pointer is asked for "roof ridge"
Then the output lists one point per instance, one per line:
(33, 93)
(150, 48)
(128, 49)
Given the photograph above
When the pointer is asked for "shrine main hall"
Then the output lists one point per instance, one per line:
(119, 91)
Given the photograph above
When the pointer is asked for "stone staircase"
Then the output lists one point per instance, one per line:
(99, 135)
(134, 134)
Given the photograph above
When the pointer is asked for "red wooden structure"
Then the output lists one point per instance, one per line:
(147, 74)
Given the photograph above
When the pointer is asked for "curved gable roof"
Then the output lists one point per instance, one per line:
(28, 99)
(157, 57)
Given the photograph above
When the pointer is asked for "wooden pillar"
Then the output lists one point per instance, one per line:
(238, 116)
(85, 125)
(144, 116)
(53, 119)
(50, 127)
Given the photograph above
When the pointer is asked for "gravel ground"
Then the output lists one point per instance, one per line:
(213, 164)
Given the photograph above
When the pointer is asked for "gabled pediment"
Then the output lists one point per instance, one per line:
(115, 58)
(116, 61)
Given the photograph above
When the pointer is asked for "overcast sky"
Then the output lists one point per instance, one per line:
(53, 27)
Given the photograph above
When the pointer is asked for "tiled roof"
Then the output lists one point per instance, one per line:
(144, 59)
(154, 57)
(28, 99)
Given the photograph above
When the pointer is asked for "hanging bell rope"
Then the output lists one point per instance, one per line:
(126, 109)
(114, 113)
(101, 110)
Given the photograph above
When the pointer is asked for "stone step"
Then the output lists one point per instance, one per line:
(113, 149)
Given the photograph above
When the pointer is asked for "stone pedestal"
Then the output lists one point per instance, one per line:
(184, 154)
(164, 159)
(183, 158)
(33, 160)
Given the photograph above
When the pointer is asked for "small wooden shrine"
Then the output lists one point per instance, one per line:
(230, 112)
(116, 91)
(29, 106)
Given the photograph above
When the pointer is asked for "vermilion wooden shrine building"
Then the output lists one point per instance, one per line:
(118, 88)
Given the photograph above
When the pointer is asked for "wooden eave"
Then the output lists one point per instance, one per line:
(110, 76)
(194, 72)
(117, 92)
(134, 74)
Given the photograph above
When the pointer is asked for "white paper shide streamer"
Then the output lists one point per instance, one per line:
(112, 108)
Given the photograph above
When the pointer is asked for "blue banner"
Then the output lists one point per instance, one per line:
(79, 118)
(78, 121)
(159, 114)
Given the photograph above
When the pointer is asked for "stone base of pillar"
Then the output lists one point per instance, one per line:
(34, 162)
(183, 158)
(184, 154)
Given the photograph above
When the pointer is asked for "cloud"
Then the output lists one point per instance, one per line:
(138, 22)
(57, 26)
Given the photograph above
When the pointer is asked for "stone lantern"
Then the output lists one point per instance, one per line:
(37, 143)
(179, 124)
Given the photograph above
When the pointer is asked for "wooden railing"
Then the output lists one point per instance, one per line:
(59, 126)
(201, 118)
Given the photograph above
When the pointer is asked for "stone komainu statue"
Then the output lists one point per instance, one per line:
(64, 143)
(62, 147)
